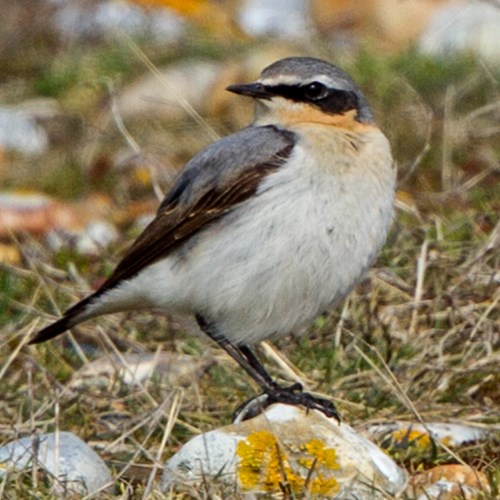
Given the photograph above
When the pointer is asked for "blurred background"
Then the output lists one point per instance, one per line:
(102, 102)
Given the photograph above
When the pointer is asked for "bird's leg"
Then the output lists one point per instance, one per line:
(273, 393)
(252, 367)
(254, 361)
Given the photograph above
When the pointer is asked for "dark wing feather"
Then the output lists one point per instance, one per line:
(174, 225)
(221, 177)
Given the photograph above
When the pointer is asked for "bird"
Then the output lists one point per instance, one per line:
(267, 228)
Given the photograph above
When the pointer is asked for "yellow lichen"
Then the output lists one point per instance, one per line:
(324, 456)
(418, 439)
(264, 465)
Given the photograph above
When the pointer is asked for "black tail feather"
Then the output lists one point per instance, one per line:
(69, 320)
(51, 331)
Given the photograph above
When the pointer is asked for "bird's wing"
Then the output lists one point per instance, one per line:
(216, 180)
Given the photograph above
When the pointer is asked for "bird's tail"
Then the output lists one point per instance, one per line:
(73, 316)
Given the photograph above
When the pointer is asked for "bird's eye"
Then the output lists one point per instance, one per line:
(315, 91)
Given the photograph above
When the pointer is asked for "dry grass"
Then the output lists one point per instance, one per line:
(418, 340)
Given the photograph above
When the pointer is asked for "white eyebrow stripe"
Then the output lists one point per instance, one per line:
(280, 80)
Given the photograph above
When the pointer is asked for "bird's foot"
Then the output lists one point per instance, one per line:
(292, 395)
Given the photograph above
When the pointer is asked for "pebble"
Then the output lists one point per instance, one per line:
(64, 456)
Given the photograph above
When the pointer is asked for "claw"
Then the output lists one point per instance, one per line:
(292, 395)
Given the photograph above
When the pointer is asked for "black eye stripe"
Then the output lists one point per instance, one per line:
(293, 92)
(334, 100)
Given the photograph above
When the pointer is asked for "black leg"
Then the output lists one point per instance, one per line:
(258, 374)
(254, 361)
(273, 393)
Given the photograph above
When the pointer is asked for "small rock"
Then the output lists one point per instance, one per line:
(103, 19)
(26, 212)
(76, 466)
(280, 18)
(101, 234)
(307, 452)
(174, 369)
(446, 482)
(405, 434)
(20, 128)
(81, 225)
(89, 240)
(161, 97)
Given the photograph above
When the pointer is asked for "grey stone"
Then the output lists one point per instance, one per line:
(76, 466)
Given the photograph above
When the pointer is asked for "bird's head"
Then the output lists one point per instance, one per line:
(305, 89)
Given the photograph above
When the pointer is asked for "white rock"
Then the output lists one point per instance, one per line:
(463, 26)
(89, 240)
(23, 201)
(65, 456)
(279, 18)
(287, 441)
(151, 95)
(133, 369)
(212, 453)
(19, 131)
(96, 236)
(80, 20)
(444, 490)
(450, 434)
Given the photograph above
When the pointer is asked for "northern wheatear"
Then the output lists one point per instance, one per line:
(267, 228)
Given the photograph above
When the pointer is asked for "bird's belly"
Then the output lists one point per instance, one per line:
(273, 266)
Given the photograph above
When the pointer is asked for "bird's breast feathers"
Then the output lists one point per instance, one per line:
(298, 246)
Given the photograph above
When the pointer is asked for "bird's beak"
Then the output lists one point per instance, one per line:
(256, 90)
